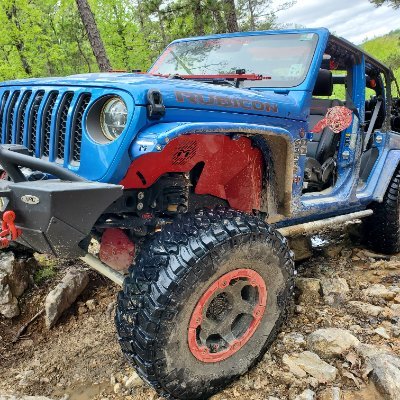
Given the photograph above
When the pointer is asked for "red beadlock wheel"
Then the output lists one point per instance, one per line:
(204, 301)
(227, 315)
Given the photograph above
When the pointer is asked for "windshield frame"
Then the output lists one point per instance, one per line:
(321, 36)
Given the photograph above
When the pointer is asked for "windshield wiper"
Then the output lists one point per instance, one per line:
(232, 77)
(236, 78)
(183, 65)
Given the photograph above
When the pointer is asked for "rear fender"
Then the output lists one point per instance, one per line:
(381, 176)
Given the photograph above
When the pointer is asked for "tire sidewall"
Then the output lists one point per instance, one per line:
(251, 251)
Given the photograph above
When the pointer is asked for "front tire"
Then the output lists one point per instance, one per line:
(204, 302)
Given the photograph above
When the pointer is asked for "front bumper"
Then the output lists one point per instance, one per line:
(54, 215)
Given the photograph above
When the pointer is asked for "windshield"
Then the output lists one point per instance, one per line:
(282, 60)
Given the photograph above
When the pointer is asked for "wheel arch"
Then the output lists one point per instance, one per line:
(256, 173)
(382, 174)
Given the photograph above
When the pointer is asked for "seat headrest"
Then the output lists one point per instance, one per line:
(324, 84)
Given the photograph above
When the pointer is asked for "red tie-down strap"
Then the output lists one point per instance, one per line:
(337, 119)
(8, 230)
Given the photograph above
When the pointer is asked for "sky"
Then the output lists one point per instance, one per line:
(355, 20)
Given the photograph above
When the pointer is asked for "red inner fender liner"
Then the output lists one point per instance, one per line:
(233, 168)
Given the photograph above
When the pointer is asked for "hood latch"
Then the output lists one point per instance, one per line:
(156, 108)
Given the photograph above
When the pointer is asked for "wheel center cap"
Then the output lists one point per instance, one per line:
(227, 315)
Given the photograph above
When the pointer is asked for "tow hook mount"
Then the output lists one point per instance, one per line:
(8, 230)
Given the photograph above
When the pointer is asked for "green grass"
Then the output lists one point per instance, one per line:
(46, 268)
(43, 274)
(387, 49)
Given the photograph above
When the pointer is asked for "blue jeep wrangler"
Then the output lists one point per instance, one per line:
(191, 174)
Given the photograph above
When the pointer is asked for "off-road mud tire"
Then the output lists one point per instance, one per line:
(382, 229)
(172, 272)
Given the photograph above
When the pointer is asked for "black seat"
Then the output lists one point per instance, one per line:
(322, 147)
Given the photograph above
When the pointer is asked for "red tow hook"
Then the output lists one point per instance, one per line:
(8, 230)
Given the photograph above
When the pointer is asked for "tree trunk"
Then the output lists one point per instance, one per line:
(18, 42)
(162, 28)
(230, 16)
(94, 35)
(252, 18)
(198, 17)
(220, 25)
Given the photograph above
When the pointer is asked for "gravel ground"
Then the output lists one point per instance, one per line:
(80, 359)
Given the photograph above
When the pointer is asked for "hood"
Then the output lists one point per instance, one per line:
(179, 93)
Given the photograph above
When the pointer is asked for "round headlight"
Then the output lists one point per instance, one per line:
(113, 118)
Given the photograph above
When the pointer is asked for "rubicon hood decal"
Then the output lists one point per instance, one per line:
(185, 94)
(224, 101)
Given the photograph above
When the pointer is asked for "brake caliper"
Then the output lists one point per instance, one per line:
(8, 230)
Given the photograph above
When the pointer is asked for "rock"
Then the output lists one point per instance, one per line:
(22, 397)
(117, 388)
(308, 394)
(381, 331)
(26, 344)
(299, 309)
(91, 304)
(334, 290)
(396, 310)
(134, 381)
(293, 339)
(111, 309)
(18, 272)
(10, 307)
(331, 342)
(380, 291)
(82, 309)
(64, 294)
(376, 256)
(386, 377)
(395, 289)
(356, 328)
(397, 299)
(301, 247)
(14, 279)
(331, 393)
(25, 376)
(367, 309)
(396, 331)
(257, 384)
(309, 289)
(388, 265)
(311, 381)
(385, 371)
(294, 367)
(332, 251)
(309, 363)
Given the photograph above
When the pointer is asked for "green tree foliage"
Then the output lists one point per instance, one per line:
(42, 38)
(47, 37)
(392, 3)
(387, 49)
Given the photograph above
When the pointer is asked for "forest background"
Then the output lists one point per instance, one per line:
(63, 37)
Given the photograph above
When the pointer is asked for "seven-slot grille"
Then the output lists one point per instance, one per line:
(47, 122)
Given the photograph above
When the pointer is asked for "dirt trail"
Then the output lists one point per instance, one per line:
(80, 358)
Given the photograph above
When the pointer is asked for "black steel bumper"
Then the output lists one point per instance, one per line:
(55, 215)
